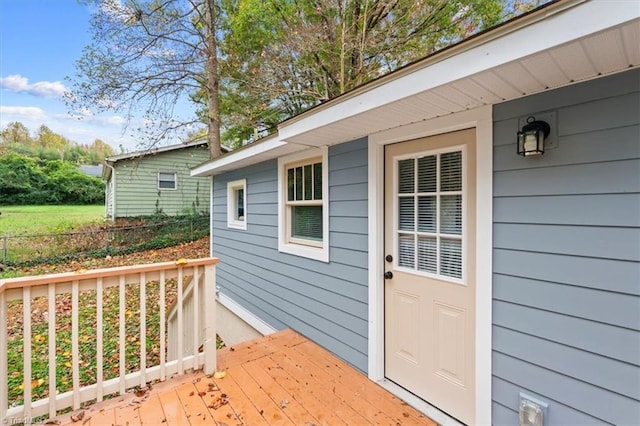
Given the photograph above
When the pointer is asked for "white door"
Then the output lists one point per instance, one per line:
(430, 269)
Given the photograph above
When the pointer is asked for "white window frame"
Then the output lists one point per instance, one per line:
(317, 250)
(232, 205)
(175, 181)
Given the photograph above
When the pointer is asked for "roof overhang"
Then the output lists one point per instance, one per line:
(561, 44)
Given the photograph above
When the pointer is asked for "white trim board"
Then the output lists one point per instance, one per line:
(245, 315)
(481, 120)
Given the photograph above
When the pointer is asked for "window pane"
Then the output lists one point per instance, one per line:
(298, 181)
(406, 251)
(427, 174)
(317, 181)
(166, 180)
(290, 185)
(427, 214)
(240, 204)
(451, 214)
(406, 176)
(306, 222)
(427, 254)
(451, 258)
(451, 171)
(406, 213)
(308, 185)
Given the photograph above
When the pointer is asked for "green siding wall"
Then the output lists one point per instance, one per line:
(137, 192)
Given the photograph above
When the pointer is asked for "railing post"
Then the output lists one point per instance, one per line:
(209, 316)
(4, 249)
(4, 391)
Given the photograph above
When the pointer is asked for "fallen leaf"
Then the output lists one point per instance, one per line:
(80, 271)
(284, 403)
(219, 374)
(77, 417)
(181, 261)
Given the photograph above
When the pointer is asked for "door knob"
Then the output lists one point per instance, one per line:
(388, 275)
(388, 258)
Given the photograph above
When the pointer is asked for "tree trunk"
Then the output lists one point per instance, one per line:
(213, 81)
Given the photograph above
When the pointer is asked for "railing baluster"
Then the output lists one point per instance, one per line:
(163, 325)
(209, 319)
(143, 329)
(99, 341)
(75, 347)
(121, 335)
(195, 299)
(4, 384)
(51, 296)
(180, 323)
(26, 349)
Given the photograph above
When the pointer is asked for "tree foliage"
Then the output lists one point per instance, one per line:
(145, 58)
(284, 56)
(48, 145)
(25, 181)
(250, 64)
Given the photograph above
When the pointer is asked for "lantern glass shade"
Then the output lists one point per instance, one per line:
(531, 137)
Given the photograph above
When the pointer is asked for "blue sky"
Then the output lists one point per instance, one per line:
(40, 40)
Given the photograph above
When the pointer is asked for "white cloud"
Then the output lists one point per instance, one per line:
(28, 113)
(20, 84)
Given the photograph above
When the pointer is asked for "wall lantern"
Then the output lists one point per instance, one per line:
(531, 137)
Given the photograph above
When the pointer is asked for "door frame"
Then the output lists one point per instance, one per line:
(482, 120)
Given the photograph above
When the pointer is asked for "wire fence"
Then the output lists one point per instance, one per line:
(26, 250)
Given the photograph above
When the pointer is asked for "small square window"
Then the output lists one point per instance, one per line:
(167, 180)
(237, 204)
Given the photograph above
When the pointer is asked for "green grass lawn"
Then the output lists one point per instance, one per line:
(22, 220)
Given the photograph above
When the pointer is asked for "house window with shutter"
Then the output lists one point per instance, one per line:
(303, 207)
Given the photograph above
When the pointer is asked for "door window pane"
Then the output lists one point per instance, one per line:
(451, 171)
(427, 213)
(427, 174)
(427, 254)
(451, 214)
(406, 251)
(406, 176)
(406, 213)
(451, 258)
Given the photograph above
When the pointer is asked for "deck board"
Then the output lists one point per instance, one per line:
(280, 379)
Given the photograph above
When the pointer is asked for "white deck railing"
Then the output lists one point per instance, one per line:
(86, 291)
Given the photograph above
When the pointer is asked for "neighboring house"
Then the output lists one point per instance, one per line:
(91, 170)
(397, 226)
(157, 180)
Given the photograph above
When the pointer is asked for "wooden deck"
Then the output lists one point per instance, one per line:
(281, 379)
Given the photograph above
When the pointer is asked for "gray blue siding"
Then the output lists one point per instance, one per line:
(325, 301)
(566, 257)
